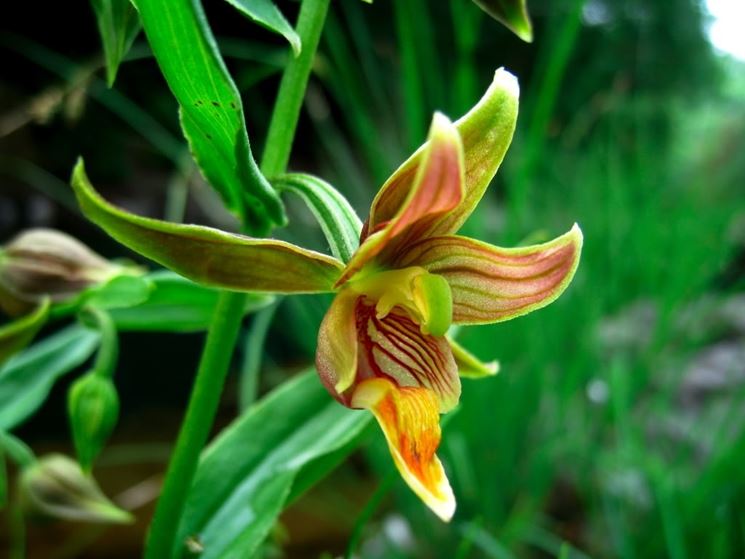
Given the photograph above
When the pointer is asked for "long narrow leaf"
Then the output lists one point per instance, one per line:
(26, 379)
(247, 474)
(211, 108)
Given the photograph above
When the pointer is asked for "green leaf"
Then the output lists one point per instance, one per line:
(118, 26)
(26, 379)
(120, 292)
(266, 14)
(247, 474)
(337, 219)
(19, 333)
(210, 108)
(210, 256)
(512, 13)
(176, 304)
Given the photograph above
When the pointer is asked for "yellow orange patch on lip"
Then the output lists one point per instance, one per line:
(410, 421)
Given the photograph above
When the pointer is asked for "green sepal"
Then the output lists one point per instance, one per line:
(210, 256)
(118, 26)
(92, 409)
(211, 110)
(266, 14)
(334, 213)
(18, 334)
(512, 13)
(470, 366)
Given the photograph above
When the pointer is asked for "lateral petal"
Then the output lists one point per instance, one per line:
(470, 366)
(411, 425)
(436, 190)
(210, 256)
(336, 353)
(394, 347)
(492, 284)
(486, 131)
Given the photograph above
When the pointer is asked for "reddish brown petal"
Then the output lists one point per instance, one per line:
(486, 131)
(437, 190)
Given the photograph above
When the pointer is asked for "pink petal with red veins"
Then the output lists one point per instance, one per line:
(492, 284)
(437, 190)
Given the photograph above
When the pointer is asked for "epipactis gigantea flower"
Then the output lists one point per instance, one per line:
(382, 346)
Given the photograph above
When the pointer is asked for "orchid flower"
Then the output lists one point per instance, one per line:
(383, 344)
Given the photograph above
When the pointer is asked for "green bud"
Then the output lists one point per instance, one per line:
(93, 408)
(41, 262)
(56, 486)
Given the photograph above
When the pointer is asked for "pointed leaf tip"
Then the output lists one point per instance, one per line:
(513, 14)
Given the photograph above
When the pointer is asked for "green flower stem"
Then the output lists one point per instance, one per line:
(294, 79)
(226, 322)
(108, 351)
(195, 429)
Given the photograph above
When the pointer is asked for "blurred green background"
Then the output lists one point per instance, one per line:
(616, 427)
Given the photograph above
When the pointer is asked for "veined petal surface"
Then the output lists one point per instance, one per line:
(492, 284)
(210, 256)
(486, 131)
(409, 419)
(394, 347)
(437, 189)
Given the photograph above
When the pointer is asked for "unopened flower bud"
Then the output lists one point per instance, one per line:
(41, 262)
(92, 407)
(56, 486)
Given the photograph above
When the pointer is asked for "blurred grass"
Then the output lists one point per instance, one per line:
(583, 445)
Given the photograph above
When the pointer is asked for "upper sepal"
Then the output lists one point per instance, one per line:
(486, 132)
(436, 190)
(210, 256)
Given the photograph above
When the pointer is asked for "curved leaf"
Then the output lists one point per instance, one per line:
(26, 379)
(210, 256)
(210, 107)
(237, 495)
(335, 215)
(266, 14)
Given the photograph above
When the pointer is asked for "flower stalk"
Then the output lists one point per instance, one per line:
(223, 332)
